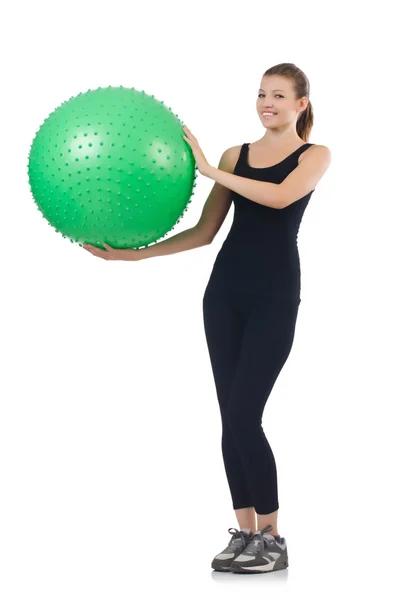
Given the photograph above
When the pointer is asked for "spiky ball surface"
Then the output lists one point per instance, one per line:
(111, 165)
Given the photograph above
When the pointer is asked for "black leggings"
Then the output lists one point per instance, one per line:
(249, 338)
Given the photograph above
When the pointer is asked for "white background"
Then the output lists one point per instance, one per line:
(111, 470)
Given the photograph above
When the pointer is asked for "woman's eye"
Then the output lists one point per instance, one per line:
(276, 95)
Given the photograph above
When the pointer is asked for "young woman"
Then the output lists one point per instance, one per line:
(251, 302)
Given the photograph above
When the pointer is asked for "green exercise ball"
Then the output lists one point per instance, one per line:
(111, 165)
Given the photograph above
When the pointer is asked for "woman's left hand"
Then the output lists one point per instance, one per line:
(201, 162)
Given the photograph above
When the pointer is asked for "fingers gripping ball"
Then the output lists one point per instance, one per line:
(111, 165)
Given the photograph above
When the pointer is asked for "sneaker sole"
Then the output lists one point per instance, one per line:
(219, 568)
(278, 566)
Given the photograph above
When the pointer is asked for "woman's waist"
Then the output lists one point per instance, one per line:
(275, 281)
(265, 249)
(258, 236)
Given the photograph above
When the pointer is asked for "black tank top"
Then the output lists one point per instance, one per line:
(260, 253)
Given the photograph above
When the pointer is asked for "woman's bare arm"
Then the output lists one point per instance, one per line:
(214, 213)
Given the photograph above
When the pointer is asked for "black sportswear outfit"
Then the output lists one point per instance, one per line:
(250, 307)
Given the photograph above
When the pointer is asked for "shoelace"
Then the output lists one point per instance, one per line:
(259, 541)
(238, 536)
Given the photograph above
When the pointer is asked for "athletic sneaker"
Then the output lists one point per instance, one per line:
(264, 553)
(239, 541)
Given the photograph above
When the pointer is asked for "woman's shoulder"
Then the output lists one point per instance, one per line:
(230, 157)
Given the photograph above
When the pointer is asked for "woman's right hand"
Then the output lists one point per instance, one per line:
(129, 254)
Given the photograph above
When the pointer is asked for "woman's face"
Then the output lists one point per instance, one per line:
(276, 95)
